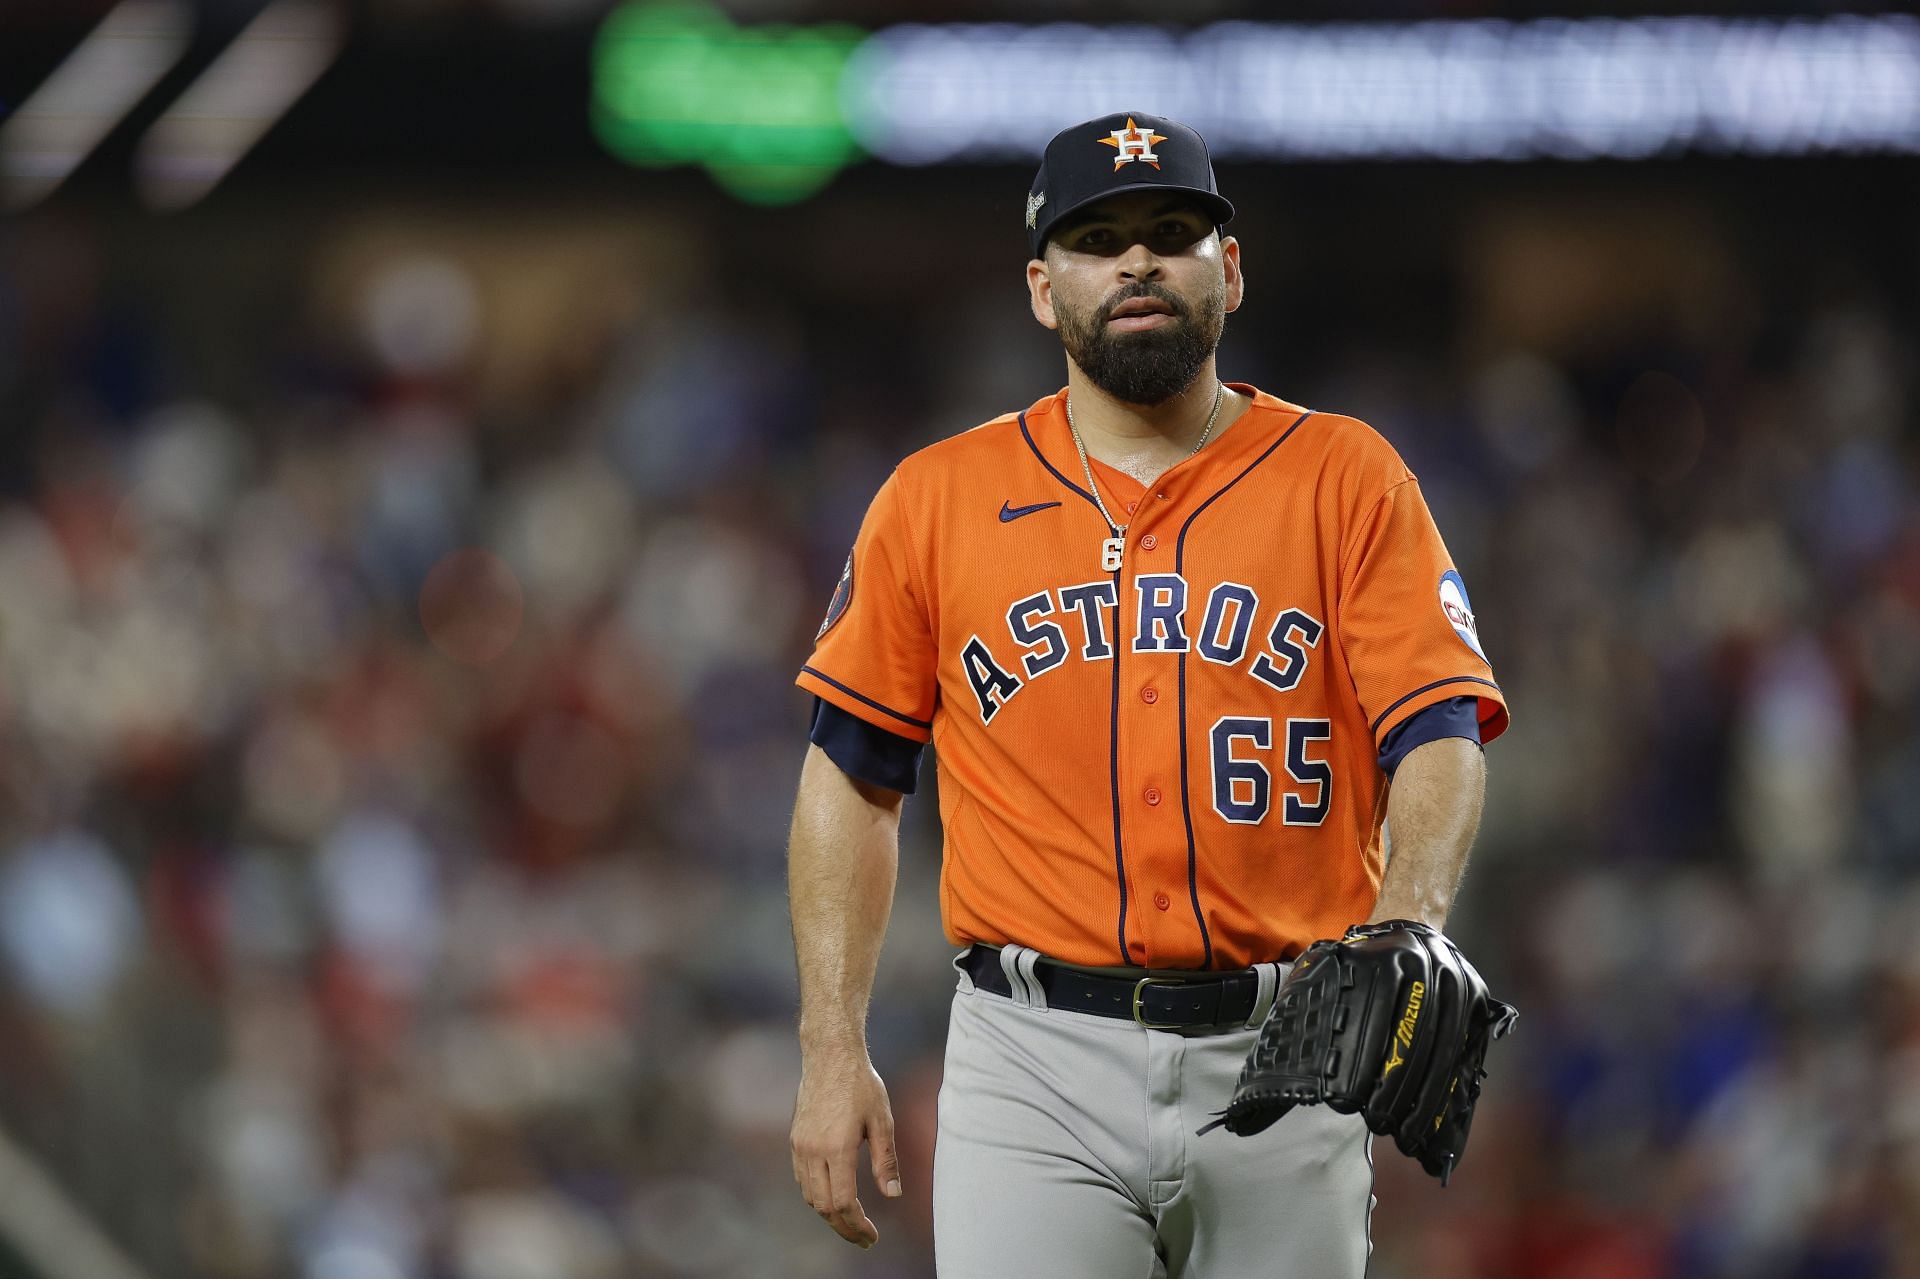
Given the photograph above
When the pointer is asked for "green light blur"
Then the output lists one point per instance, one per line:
(759, 107)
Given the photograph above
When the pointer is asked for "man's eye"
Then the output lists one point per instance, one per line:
(1095, 237)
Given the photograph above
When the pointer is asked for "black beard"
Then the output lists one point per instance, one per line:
(1153, 365)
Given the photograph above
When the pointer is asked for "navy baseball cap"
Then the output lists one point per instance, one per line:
(1125, 151)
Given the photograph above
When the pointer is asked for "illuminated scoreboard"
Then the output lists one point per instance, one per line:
(774, 111)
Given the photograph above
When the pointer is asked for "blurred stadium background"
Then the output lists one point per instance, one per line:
(430, 431)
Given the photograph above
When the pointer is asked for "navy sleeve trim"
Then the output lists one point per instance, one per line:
(864, 751)
(1455, 717)
(857, 695)
(1439, 683)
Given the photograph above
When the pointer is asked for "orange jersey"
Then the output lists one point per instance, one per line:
(1172, 764)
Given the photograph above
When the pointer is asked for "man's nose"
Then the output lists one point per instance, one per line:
(1139, 263)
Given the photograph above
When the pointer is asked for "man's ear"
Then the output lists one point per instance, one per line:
(1040, 293)
(1230, 264)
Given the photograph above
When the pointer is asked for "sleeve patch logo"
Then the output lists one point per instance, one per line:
(842, 592)
(1459, 612)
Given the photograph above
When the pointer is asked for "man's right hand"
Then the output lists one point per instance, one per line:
(842, 1102)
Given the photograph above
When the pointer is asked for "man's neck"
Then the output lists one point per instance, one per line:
(1140, 438)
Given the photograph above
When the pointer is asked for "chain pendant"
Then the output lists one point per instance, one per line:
(1110, 552)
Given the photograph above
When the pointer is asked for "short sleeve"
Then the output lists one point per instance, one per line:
(1406, 625)
(873, 655)
(877, 756)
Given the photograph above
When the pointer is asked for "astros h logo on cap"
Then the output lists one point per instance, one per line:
(1134, 143)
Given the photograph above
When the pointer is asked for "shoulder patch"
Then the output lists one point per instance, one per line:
(842, 592)
(1459, 612)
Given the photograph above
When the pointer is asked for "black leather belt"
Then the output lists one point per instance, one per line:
(1159, 1002)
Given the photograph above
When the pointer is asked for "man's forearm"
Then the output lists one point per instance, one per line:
(1433, 812)
(843, 857)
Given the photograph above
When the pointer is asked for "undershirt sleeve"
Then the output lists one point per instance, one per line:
(866, 751)
(1455, 717)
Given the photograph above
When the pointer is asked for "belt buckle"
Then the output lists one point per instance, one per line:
(1141, 985)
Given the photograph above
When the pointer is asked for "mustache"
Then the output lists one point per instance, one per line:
(1128, 292)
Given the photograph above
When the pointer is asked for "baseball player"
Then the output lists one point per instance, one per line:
(1183, 648)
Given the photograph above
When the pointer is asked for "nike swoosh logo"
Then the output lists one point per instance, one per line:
(1010, 513)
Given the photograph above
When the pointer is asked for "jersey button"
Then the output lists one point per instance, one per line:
(1152, 796)
(1149, 695)
(1160, 900)
(1130, 506)
(1149, 542)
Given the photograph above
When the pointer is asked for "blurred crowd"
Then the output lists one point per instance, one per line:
(397, 739)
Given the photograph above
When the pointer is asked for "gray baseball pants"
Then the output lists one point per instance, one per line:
(1066, 1150)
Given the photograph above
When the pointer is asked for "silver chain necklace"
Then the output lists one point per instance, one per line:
(1111, 548)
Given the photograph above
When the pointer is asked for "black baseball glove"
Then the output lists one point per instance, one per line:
(1391, 1023)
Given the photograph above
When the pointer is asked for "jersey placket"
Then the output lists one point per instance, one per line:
(1147, 749)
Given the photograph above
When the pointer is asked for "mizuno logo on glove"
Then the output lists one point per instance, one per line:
(1403, 1038)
